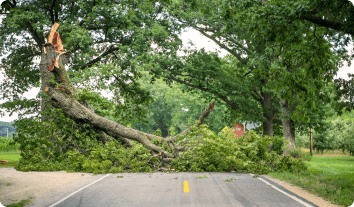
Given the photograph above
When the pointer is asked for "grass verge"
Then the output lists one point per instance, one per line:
(330, 177)
(11, 158)
(20, 204)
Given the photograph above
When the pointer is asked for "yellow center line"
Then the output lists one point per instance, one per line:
(186, 187)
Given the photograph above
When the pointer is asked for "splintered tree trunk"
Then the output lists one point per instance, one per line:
(288, 127)
(268, 114)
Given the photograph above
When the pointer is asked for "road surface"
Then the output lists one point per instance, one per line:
(176, 189)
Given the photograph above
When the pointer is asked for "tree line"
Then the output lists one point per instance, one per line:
(7, 129)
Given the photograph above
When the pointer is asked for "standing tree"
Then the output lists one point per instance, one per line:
(266, 76)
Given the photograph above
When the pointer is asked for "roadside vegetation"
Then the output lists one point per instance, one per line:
(20, 204)
(207, 151)
(329, 177)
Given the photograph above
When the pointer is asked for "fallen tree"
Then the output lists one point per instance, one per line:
(64, 96)
(71, 136)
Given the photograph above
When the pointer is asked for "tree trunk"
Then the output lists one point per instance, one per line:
(46, 61)
(288, 127)
(46, 75)
(269, 115)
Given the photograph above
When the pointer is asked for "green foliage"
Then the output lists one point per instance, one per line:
(344, 93)
(46, 148)
(330, 177)
(173, 110)
(111, 44)
(302, 139)
(278, 144)
(224, 152)
(231, 179)
(107, 40)
(267, 56)
(337, 135)
(7, 144)
(298, 154)
(158, 132)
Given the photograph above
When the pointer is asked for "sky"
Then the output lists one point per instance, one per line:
(199, 41)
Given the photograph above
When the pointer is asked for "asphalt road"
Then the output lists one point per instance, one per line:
(176, 189)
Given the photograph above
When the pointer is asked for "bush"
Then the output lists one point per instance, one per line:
(278, 143)
(224, 152)
(302, 139)
(7, 144)
(298, 154)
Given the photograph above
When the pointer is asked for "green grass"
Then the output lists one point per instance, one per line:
(20, 204)
(330, 177)
(13, 156)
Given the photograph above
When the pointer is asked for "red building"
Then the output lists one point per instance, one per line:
(239, 130)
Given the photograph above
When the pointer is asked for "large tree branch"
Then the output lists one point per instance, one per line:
(76, 110)
(92, 62)
(331, 24)
(260, 97)
(222, 45)
(36, 37)
(224, 98)
(51, 12)
(249, 52)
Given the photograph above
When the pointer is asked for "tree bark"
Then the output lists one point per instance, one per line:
(46, 75)
(288, 127)
(46, 61)
(269, 115)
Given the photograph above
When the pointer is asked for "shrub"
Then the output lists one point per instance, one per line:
(7, 144)
(298, 154)
(224, 152)
(278, 143)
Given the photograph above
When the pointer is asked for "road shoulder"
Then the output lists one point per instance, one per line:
(302, 193)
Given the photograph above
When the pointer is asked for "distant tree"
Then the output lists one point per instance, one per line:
(7, 128)
(174, 108)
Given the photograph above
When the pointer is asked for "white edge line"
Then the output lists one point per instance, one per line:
(77, 191)
(293, 197)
